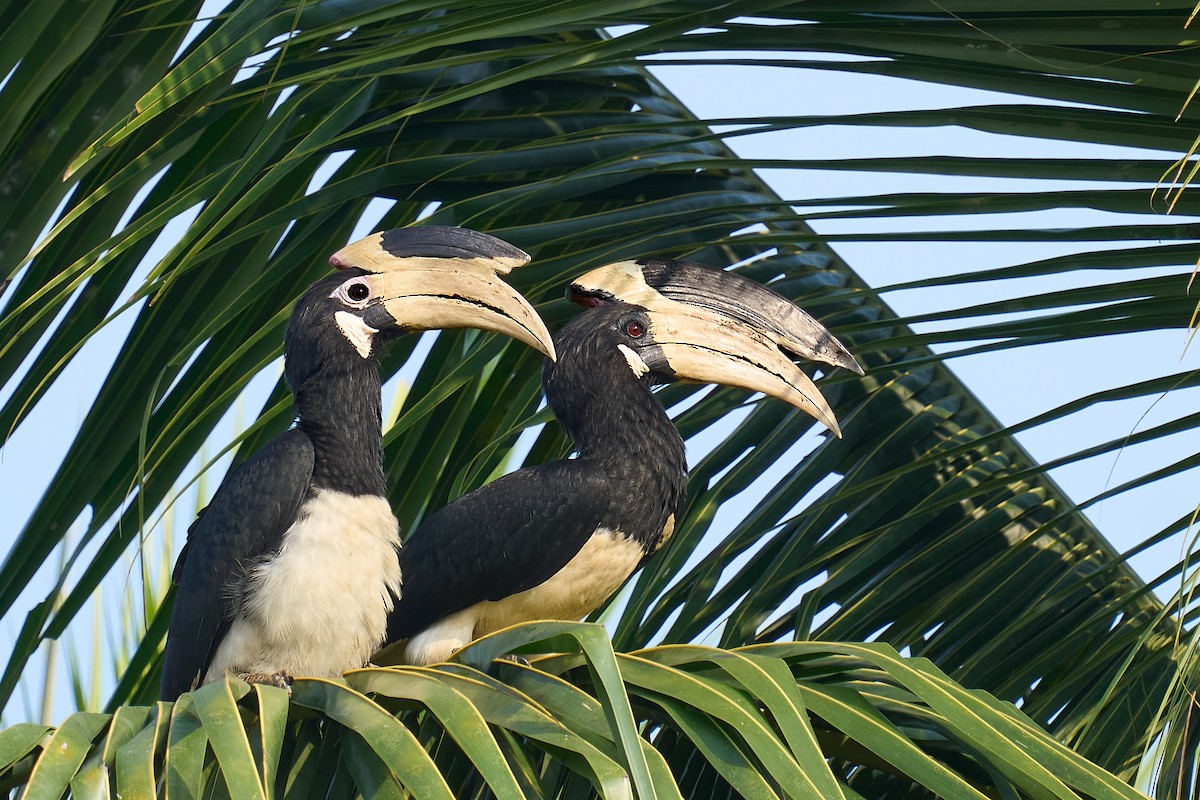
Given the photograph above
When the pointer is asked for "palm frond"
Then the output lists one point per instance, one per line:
(260, 148)
(767, 721)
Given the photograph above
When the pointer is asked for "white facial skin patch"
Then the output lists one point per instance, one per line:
(636, 364)
(360, 334)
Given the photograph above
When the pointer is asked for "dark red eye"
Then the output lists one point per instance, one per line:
(634, 329)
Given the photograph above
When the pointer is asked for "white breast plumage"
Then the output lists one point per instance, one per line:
(319, 606)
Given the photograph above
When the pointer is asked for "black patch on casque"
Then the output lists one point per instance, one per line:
(748, 302)
(719, 290)
(443, 241)
(663, 272)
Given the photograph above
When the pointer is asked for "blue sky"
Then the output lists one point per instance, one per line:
(1015, 384)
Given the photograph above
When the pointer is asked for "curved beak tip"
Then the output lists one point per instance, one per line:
(540, 340)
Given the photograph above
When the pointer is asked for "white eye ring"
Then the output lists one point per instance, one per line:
(355, 293)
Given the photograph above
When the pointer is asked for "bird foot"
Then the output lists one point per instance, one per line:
(515, 659)
(281, 679)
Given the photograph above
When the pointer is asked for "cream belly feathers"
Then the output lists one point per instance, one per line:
(320, 604)
(588, 579)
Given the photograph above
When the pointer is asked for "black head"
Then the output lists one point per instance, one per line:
(338, 322)
(607, 359)
(616, 340)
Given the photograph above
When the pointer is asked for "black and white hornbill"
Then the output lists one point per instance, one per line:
(557, 540)
(292, 568)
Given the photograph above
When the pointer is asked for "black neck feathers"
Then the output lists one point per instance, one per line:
(615, 421)
(340, 410)
(337, 392)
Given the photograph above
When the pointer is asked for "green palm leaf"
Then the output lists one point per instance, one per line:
(712, 722)
(928, 527)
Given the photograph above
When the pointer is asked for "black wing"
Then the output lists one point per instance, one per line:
(498, 540)
(247, 517)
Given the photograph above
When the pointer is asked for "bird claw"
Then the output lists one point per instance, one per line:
(281, 679)
(515, 659)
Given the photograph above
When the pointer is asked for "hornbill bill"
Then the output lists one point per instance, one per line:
(557, 540)
(292, 568)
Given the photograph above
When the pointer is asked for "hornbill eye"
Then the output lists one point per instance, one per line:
(354, 292)
(633, 326)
